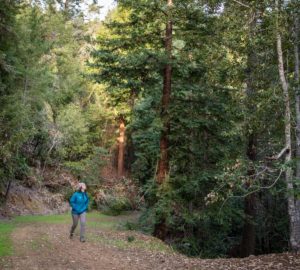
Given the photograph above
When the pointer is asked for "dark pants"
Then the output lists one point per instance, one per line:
(82, 218)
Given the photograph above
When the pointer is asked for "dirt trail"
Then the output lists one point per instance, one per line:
(47, 246)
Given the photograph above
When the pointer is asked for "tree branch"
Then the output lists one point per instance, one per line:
(241, 3)
(253, 191)
(278, 156)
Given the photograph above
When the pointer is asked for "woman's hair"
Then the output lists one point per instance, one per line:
(80, 186)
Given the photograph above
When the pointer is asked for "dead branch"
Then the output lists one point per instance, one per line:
(241, 3)
(278, 156)
(253, 191)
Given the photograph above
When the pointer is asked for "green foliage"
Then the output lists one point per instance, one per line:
(67, 192)
(46, 114)
(89, 169)
(145, 132)
(211, 115)
(114, 206)
(8, 11)
(130, 226)
(73, 133)
(94, 164)
(130, 238)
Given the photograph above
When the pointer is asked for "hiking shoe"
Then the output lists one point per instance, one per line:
(82, 239)
(71, 235)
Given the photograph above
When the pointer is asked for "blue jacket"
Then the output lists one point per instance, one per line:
(79, 202)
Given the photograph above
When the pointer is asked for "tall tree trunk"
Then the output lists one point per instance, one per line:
(160, 229)
(248, 236)
(297, 98)
(163, 163)
(247, 246)
(121, 148)
(288, 142)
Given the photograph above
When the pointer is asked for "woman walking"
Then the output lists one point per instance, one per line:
(79, 203)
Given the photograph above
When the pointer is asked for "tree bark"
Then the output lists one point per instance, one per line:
(160, 229)
(297, 93)
(294, 219)
(163, 163)
(121, 147)
(247, 246)
(297, 98)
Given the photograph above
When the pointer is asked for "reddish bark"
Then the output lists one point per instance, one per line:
(160, 230)
(121, 146)
(163, 163)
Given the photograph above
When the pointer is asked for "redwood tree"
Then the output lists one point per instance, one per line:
(248, 234)
(163, 163)
(121, 147)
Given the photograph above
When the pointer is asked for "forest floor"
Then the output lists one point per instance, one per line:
(42, 242)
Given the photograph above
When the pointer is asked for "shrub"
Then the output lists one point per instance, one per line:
(115, 205)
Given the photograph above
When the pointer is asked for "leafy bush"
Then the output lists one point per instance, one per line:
(73, 133)
(130, 226)
(130, 238)
(115, 206)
